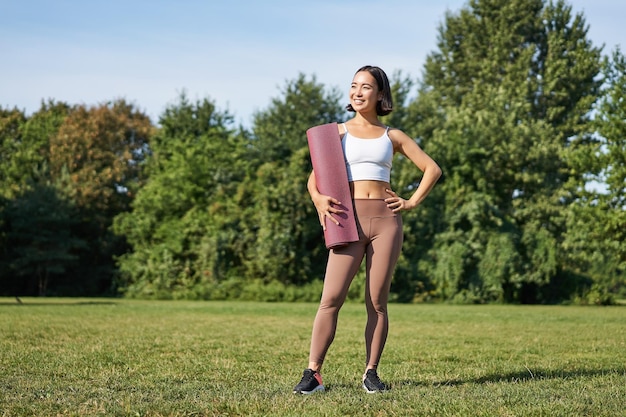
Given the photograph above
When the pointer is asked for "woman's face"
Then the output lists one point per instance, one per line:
(364, 94)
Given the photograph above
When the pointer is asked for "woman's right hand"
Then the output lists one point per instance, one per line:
(324, 205)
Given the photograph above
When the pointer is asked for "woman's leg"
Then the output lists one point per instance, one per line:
(381, 257)
(343, 264)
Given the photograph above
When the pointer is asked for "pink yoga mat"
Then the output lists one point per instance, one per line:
(332, 179)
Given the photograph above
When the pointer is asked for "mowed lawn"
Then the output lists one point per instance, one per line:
(113, 357)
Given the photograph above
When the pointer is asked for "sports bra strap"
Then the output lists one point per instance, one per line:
(345, 128)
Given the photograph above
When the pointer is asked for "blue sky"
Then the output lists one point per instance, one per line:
(238, 53)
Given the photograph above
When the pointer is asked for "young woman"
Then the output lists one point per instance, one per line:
(369, 147)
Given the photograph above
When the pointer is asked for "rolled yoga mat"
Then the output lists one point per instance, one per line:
(331, 176)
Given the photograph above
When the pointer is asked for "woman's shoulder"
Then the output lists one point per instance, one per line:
(399, 139)
(396, 134)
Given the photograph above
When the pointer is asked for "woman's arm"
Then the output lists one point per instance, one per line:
(409, 148)
(323, 203)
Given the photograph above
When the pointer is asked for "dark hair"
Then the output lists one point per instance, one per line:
(384, 106)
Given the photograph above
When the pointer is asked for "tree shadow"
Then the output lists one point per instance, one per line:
(526, 375)
(34, 303)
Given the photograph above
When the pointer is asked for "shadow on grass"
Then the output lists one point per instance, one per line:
(43, 302)
(526, 375)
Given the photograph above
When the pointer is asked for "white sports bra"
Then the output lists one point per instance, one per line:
(367, 159)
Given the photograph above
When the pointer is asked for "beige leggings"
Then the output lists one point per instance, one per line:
(380, 241)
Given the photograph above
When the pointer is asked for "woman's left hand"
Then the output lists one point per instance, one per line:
(395, 202)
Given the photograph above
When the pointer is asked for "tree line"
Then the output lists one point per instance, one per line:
(526, 117)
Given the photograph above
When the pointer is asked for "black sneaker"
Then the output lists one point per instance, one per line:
(371, 382)
(310, 383)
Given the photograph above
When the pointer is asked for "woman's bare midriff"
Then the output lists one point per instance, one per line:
(369, 189)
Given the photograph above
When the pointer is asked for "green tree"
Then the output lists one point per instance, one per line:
(26, 146)
(596, 238)
(279, 130)
(409, 284)
(11, 122)
(11, 125)
(504, 108)
(41, 244)
(95, 159)
(225, 213)
(196, 162)
(100, 149)
(286, 243)
(6, 279)
(612, 129)
(24, 150)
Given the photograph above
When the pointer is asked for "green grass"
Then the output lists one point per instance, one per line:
(101, 357)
